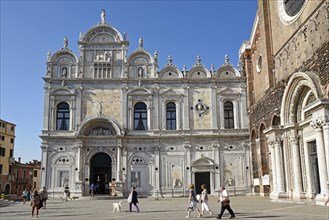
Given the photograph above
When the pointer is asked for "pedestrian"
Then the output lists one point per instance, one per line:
(134, 199)
(44, 197)
(192, 202)
(66, 193)
(35, 202)
(204, 200)
(225, 203)
(92, 189)
(24, 195)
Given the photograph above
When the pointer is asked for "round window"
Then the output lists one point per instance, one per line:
(259, 63)
(289, 10)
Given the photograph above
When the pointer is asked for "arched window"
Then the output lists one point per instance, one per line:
(63, 116)
(140, 116)
(228, 115)
(171, 116)
(292, 7)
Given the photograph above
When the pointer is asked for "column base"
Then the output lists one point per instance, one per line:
(277, 195)
(298, 195)
(320, 199)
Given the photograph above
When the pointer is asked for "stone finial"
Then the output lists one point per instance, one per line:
(103, 17)
(156, 55)
(212, 68)
(124, 36)
(141, 42)
(184, 69)
(48, 56)
(66, 42)
(80, 36)
(169, 61)
(198, 60)
(227, 59)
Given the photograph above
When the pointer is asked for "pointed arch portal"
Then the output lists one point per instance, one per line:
(100, 172)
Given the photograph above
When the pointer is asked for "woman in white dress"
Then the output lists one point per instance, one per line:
(204, 200)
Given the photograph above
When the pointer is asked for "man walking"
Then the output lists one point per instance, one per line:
(225, 203)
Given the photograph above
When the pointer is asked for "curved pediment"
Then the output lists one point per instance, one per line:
(100, 127)
(227, 71)
(103, 34)
(170, 72)
(203, 161)
(198, 72)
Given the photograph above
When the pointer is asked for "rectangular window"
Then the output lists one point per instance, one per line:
(35, 173)
(11, 153)
(24, 173)
(11, 140)
(0, 168)
(3, 138)
(2, 151)
(12, 128)
(10, 169)
(17, 173)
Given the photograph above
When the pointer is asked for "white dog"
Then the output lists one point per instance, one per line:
(117, 206)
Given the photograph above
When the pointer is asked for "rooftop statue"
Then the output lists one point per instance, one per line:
(66, 42)
(141, 42)
(227, 60)
(103, 15)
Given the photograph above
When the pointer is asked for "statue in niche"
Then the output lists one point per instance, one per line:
(107, 56)
(66, 42)
(100, 108)
(64, 72)
(140, 72)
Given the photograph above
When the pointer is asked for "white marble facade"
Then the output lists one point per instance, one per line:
(109, 114)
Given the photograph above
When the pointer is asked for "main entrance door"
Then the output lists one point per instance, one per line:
(100, 172)
(202, 178)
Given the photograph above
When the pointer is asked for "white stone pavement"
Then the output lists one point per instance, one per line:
(164, 208)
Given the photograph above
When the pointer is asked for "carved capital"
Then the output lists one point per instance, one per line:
(294, 139)
(317, 124)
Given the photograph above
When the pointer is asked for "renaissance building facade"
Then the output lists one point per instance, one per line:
(287, 66)
(113, 115)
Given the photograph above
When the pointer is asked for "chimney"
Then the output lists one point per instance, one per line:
(19, 160)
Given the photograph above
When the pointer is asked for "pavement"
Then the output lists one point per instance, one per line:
(245, 207)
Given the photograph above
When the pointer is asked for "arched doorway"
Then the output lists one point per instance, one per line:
(7, 189)
(100, 172)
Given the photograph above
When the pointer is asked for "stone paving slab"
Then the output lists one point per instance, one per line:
(165, 208)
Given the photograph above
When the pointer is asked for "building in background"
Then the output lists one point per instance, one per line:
(286, 61)
(7, 142)
(109, 114)
(25, 176)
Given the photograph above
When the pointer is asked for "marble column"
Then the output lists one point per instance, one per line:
(278, 165)
(119, 162)
(326, 144)
(274, 173)
(297, 178)
(323, 175)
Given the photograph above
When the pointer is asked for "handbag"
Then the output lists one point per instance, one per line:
(130, 198)
(226, 202)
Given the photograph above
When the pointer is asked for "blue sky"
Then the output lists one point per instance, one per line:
(182, 29)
